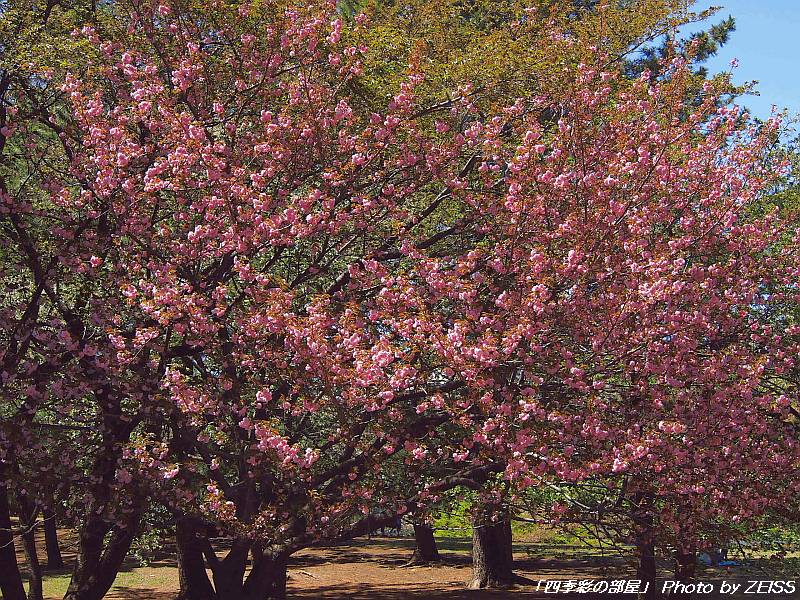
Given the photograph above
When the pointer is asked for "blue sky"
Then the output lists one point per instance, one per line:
(767, 44)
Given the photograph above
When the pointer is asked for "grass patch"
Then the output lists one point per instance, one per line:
(157, 578)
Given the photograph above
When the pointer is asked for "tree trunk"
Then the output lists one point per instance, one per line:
(267, 579)
(191, 564)
(28, 518)
(645, 548)
(425, 551)
(492, 559)
(54, 559)
(103, 546)
(685, 566)
(10, 579)
(97, 566)
(228, 573)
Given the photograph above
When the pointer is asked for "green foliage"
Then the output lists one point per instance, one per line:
(502, 49)
(452, 518)
(155, 530)
(700, 45)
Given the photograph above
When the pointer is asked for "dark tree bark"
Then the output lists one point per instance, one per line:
(228, 573)
(54, 558)
(28, 517)
(492, 560)
(267, 578)
(190, 542)
(685, 567)
(98, 563)
(102, 545)
(646, 569)
(265, 581)
(425, 551)
(10, 578)
(645, 547)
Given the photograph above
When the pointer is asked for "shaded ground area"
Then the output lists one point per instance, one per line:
(372, 568)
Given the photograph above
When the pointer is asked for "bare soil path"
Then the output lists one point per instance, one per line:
(372, 569)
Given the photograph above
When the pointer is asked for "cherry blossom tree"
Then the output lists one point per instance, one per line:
(289, 311)
(625, 318)
(257, 214)
(61, 423)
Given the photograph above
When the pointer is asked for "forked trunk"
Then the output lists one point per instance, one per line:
(98, 563)
(492, 560)
(266, 580)
(228, 573)
(54, 559)
(11, 585)
(103, 545)
(425, 551)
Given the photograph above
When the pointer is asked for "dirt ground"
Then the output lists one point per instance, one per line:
(373, 569)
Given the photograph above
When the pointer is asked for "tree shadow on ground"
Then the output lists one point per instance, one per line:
(127, 593)
(334, 556)
(387, 557)
(590, 567)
